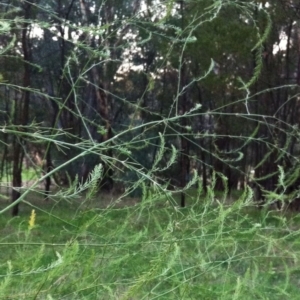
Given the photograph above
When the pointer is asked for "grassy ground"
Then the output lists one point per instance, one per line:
(90, 249)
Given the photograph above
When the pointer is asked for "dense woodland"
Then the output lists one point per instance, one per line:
(167, 94)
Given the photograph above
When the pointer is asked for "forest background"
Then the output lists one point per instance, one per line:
(152, 127)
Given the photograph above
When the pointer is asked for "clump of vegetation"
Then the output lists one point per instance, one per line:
(144, 147)
(148, 250)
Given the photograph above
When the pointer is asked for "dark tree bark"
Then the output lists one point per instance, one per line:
(4, 139)
(185, 145)
(184, 155)
(21, 111)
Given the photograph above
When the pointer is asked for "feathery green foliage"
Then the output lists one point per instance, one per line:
(85, 244)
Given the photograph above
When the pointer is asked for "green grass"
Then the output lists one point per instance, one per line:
(151, 250)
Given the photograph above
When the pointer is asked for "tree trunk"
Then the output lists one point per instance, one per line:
(185, 145)
(21, 112)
